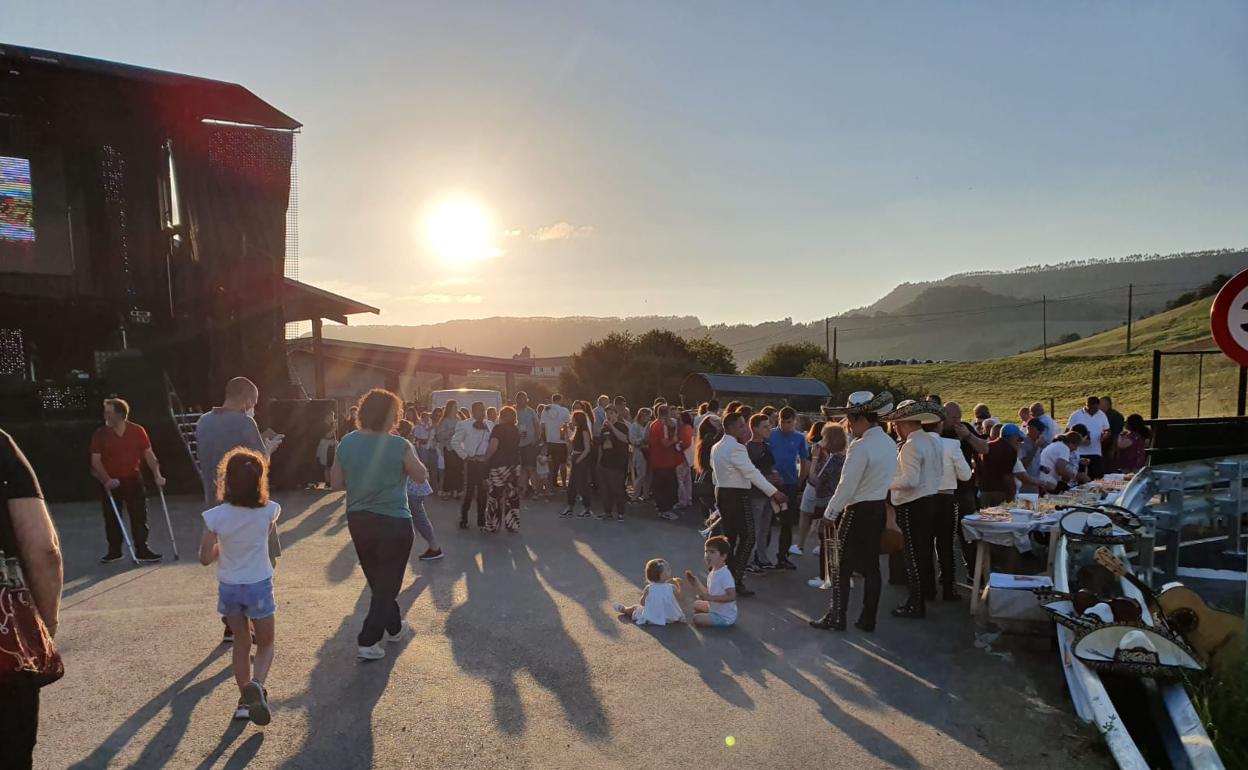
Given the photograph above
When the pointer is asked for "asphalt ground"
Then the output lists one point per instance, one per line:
(519, 661)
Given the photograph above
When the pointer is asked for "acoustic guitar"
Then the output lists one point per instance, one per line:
(1215, 634)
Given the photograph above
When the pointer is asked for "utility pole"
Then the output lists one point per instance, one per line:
(1044, 325)
(836, 364)
(1130, 294)
(827, 349)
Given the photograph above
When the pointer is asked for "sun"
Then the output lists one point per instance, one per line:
(460, 232)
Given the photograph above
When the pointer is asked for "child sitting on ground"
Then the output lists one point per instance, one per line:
(660, 599)
(236, 536)
(717, 600)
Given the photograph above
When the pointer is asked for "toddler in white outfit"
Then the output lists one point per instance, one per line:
(660, 599)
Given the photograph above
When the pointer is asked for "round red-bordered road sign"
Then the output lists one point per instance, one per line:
(1228, 319)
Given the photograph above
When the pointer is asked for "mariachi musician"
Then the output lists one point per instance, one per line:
(857, 509)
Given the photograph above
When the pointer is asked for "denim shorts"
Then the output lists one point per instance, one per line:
(721, 620)
(251, 600)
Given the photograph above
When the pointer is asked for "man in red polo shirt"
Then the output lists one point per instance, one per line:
(664, 457)
(117, 448)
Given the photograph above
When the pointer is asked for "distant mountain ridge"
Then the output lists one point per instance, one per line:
(970, 316)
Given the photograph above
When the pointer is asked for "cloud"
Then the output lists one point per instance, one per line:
(456, 280)
(563, 231)
(445, 299)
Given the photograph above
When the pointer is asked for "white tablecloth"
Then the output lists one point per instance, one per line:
(1014, 533)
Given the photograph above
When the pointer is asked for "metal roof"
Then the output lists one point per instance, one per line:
(753, 385)
(208, 99)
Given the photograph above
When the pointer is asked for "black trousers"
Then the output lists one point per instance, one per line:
(966, 505)
(663, 488)
(788, 518)
(915, 520)
(858, 545)
(944, 521)
(738, 526)
(580, 483)
(475, 487)
(612, 489)
(19, 726)
(383, 545)
(453, 475)
(131, 498)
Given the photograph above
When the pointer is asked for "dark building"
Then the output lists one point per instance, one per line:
(143, 249)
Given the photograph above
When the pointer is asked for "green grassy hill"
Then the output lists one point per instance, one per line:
(1097, 365)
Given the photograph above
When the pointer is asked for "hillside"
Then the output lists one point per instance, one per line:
(1097, 365)
(962, 318)
(1034, 281)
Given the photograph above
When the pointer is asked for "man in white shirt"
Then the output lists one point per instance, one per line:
(920, 470)
(945, 515)
(1092, 418)
(858, 508)
(734, 475)
(471, 442)
(1058, 467)
(1050, 425)
(554, 418)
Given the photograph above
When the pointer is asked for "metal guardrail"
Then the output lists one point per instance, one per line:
(1185, 504)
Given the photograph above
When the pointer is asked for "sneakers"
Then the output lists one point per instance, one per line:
(431, 554)
(567, 513)
(241, 711)
(257, 703)
(822, 585)
(228, 636)
(618, 607)
(784, 564)
(795, 551)
(147, 556)
(405, 630)
(110, 557)
(585, 514)
(373, 652)
(668, 515)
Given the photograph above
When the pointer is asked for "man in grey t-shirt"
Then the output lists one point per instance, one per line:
(223, 429)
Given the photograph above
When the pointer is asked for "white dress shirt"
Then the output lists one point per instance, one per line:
(956, 467)
(732, 468)
(471, 441)
(1096, 424)
(920, 467)
(870, 464)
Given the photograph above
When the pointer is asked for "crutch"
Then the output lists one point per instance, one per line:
(125, 535)
(172, 540)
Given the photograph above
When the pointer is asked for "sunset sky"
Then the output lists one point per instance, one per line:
(730, 161)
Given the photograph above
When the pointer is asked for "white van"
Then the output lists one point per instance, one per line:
(465, 396)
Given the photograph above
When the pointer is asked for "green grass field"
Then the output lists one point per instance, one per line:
(1097, 365)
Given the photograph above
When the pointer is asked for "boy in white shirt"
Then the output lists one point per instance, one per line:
(717, 599)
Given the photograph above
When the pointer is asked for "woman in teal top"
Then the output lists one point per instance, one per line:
(373, 465)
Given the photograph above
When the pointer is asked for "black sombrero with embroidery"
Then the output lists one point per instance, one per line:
(924, 412)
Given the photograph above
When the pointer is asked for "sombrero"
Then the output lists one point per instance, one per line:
(862, 402)
(1128, 648)
(924, 412)
(1094, 527)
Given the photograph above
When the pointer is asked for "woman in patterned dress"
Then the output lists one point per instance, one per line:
(503, 478)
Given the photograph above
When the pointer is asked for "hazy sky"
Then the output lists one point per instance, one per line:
(727, 160)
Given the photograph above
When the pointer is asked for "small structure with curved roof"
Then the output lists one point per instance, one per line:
(803, 393)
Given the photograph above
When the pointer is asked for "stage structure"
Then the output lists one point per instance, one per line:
(143, 250)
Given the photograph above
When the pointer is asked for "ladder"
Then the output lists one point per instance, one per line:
(184, 421)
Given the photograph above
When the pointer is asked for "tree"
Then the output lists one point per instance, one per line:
(787, 359)
(713, 356)
(640, 368)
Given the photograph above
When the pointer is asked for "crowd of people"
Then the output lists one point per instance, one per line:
(872, 477)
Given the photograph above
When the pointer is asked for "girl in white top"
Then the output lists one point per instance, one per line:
(236, 537)
(660, 599)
